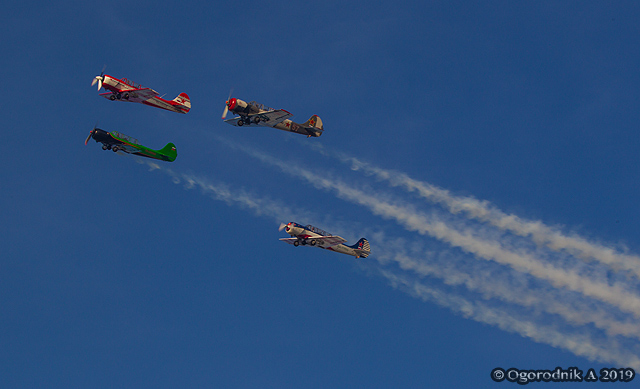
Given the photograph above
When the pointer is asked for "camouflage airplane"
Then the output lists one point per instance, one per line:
(253, 113)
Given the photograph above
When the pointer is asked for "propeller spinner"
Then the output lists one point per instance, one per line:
(99, 78)
(227, 104)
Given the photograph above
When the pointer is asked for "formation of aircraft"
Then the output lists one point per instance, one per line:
(119, 142)
(254, 113)
(313, 236)
(127, 90)
(248, 114)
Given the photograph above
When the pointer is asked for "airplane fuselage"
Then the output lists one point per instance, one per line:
(291, 126)
(120, 142)
(115, 85)
(306, 236)
(252, 114)
(126, 90)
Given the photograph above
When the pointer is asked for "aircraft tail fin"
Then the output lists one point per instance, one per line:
(362, 248)
(184, 101)
(170, 152)
(313, 126)
(315, 122)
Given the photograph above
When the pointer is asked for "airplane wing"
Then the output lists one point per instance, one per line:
(233, 121)
(128, 149)
(268, 119)
(134, 95)
(329, 241)
(322, 241)
(272, 118)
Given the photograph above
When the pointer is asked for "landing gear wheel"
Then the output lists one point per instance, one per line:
(312, 242)
(256, 120)
(104, 147)
(296, 243)
(115, 149)
(126, 96)
(112, 97)
(240, 122)
(118, 96)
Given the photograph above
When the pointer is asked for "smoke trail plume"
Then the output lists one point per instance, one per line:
(582, 313)
(483, 211)
(581, 343)
(411, 219)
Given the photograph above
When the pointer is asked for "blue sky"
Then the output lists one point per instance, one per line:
(487, 151)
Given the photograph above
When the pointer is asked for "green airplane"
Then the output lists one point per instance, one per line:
(119, 142)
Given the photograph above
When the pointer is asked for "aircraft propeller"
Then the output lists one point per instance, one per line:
(89, 137)
(282, 226)
(226, 105)
(90, 133)
(99, 78)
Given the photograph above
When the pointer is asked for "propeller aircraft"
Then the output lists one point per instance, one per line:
(258, 114)
(119, 142)
(127, 90)
(313, 236)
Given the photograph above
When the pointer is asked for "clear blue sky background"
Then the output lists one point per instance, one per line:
(113, 274)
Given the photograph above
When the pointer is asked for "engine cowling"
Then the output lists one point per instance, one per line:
(236, 105)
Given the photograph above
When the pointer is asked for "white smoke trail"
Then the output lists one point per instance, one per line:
(413, 220)
(483, 211)
(581, 344)
(491, 284)
(551, 301)
(223, 192)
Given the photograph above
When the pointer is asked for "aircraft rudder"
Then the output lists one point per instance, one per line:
(362, 247)
(170, 151)
(184, 100)
(315, 122)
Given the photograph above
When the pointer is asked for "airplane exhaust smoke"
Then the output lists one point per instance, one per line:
(483, 211)
(524, 282)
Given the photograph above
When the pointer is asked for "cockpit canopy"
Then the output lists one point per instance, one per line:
(260, 106)
(124, 137)
(132, 84)
(317, 230)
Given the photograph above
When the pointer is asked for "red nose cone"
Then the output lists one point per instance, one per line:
(232, 103)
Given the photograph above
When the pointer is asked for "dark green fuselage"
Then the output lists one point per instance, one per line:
(120, 142)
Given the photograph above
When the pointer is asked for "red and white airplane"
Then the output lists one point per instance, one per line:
(313, 236)
(258, 114)
(127, 90)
